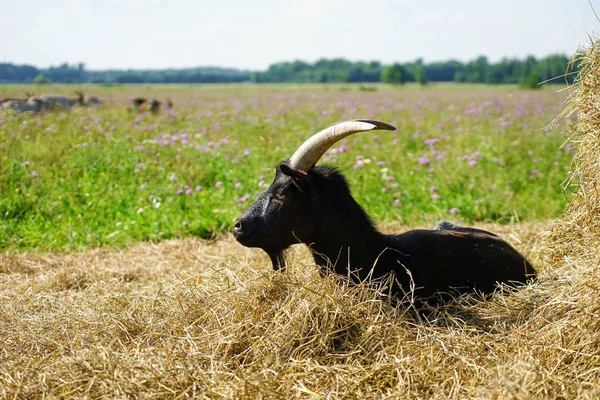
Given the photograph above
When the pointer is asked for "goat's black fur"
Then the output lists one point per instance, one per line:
(317, 208)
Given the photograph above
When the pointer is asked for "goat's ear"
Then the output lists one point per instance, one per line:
(300, 177)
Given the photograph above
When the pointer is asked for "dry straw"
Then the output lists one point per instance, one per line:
(210, 320)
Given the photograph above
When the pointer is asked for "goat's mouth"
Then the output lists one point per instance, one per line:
(243, 237)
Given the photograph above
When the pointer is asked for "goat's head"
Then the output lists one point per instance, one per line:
(292, 208)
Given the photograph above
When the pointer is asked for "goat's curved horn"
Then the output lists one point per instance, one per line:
(307, 155)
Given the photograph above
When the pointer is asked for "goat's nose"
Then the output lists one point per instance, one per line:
(238, 225)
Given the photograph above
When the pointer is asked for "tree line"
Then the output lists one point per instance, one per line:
(528, 72)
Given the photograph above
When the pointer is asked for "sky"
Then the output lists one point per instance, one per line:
(253, 34)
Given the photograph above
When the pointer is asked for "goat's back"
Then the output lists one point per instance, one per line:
(454, 261)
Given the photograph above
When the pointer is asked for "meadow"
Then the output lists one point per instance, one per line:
(119, 278)
(107, 176)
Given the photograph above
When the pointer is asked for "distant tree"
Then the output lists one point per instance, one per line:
(554, 69)
(526, 70)
(532, 80)
(443, 71)
(459, 77)
(479, 70)
(17, 73)
(394, 74)
(41, 80)
(420, 76)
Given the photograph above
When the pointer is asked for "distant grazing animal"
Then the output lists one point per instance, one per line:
(27, 97)
(138, 102)
(155, 106)
(61, 102)
(312, 204)
(7, 99)
(141, 104)
(32, 104)
(92, 101)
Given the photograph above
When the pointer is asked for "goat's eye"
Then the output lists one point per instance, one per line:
(280, 196)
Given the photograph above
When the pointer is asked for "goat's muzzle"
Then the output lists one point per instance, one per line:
(239, 233)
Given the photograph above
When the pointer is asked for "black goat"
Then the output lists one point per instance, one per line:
(313, 205)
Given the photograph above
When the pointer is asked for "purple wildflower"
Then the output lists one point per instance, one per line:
(424, 160)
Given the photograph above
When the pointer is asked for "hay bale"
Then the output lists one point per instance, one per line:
(577, 235)
(566, 319)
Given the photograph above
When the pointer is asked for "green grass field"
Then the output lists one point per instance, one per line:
(109, 176)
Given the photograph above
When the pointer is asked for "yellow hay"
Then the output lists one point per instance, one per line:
(579, 228)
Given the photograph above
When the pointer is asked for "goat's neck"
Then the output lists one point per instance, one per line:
(347, 241)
